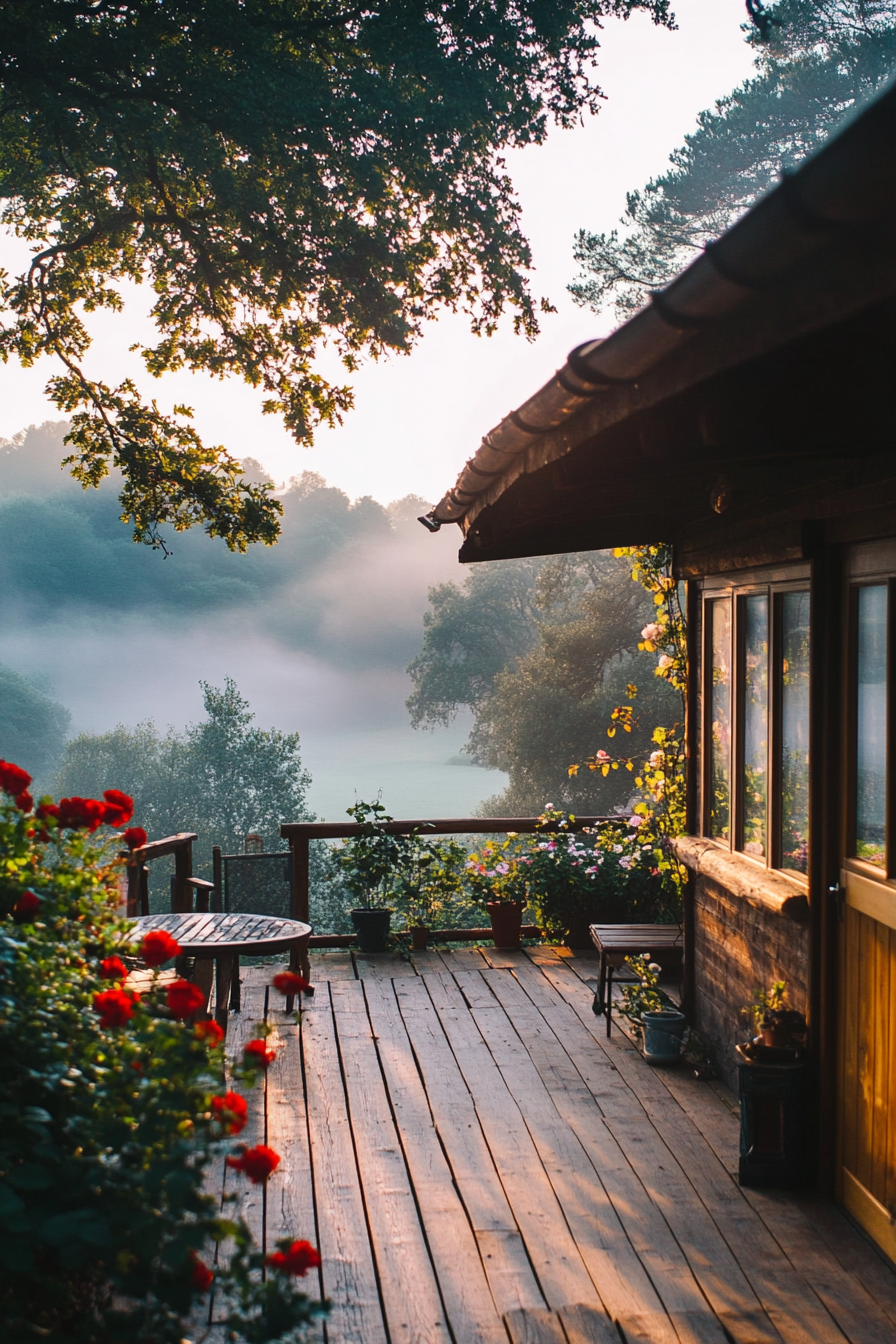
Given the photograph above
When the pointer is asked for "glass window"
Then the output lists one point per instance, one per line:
(871, 725)
(754, 774)
(794, 748)
(720, 722)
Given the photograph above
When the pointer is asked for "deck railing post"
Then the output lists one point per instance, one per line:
(217, 893)
(299, 877)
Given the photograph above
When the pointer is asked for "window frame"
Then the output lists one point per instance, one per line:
(863, 576)
(735, 590)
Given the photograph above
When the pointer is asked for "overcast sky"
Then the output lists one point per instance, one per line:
(419, 417)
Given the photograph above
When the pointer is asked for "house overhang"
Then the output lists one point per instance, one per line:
(725, 411)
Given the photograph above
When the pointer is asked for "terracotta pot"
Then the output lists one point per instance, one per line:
(507, 920)
(419, 937)
(777, 1035)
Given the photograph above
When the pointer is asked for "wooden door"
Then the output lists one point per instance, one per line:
(867, 1065)
(868, 1068)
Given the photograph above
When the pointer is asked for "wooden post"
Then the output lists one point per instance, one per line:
(181, 892)
(217, 894)
(134, 871)
(144, 888)
(299, 877)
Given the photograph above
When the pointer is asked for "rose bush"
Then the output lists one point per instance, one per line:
(111, 1111)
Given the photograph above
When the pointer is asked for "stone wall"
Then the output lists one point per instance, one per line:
(750, 928)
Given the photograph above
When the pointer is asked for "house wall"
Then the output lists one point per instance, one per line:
(750, 929)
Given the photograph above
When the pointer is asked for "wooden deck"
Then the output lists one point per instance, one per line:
(479, 1164)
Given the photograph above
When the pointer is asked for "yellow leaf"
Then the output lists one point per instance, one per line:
(629, 766)
(573, 770)
(615, 765)
(611, 732)
(605, 770)
(627, 727)
(638, 782)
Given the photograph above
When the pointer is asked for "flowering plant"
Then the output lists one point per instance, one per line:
(644, 995)
(113, 1106)
(597, 874)
(499, 871)
(660, 776)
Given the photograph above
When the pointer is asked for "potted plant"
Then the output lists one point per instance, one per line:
(370, 863)
(776, 1026)
(656, 1020)
(429, 885)
(497, 879)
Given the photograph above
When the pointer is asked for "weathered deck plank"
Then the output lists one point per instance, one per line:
(478, 1163)
(410, 1294)
(349, 1274)
(555, 1257)
(745, 1262)
(507, 1266)
(463, 1285)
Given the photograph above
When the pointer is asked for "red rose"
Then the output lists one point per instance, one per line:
(24, 801)
(26, 907)
(47, 810)
(209, 1031)
(13, 779)
(231, 1110)
(256, 1055)
(119, 807)
(135, 837)
(295, 1259)
(113, 968)
(287, 982)
(184, 998)
(257, 1162)
(81, 814)
(158, 947)
(200, 1276)
(115, 1006)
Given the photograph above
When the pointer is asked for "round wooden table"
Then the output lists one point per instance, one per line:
(223, 938)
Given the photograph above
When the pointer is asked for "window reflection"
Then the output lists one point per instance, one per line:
(871, 725)
(754, 776)
(720, 708)
(794, 759)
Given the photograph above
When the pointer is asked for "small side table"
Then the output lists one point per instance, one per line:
(223, 937)
(615, 942)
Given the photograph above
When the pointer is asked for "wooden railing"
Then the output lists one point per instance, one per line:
(301, 833)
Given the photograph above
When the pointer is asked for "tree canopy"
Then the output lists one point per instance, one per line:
(542, 651)
(223, 778)
(285, 174)
(815, 61)
(33, 725)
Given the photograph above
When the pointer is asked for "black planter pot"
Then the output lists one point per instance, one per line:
(372, 925)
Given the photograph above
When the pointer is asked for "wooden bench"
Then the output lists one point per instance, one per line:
(615, 942)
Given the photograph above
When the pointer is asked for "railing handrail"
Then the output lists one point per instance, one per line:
(301, 833)
(338, 830)
(157, 849)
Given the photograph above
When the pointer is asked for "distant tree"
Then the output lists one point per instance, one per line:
(542, 651)
(33, 726)
(222, 778)
(815, 61)
(285, 175)
(470, 634)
